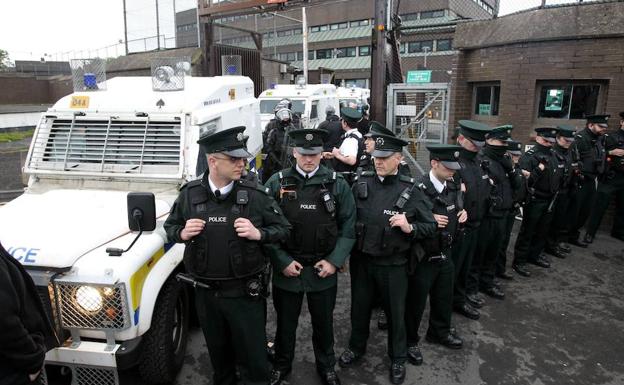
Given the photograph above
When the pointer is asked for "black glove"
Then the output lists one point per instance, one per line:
(507, 163)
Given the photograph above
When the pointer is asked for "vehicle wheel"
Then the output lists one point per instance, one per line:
(164, 344)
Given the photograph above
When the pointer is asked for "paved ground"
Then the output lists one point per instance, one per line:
(561, 326)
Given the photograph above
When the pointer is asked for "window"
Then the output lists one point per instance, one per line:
(297, 31)
(323, 28)
(444, 45)
(315, 29)
(314, 110)
(346, 52)
(288, 32)
(338, 26)
(323, 53)
(420, 46)
(359, 23)
(409, 16)
(364, 50)
(300, 55)
(432, 14)
(287, 56)
(568, 100)
(311, 55)
(486, 99)
(402, 47)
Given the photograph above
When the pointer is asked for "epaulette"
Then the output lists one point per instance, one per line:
(253, 185)
(406, 179)
(368, 173)
(333, 177)
(192, 183)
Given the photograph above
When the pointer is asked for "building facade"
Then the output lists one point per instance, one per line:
(339, 39)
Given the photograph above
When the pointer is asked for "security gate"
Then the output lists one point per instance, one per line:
(418, 113)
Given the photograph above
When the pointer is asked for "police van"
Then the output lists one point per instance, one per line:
(308, 101)
(359, 97)
(95, 160)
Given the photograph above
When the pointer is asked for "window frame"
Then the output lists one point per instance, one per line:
(473, 105)
(603, 85)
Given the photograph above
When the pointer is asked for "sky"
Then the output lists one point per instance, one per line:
(64, 29)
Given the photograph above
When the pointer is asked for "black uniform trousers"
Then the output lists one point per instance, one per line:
(532, 236)
(558, 231)
(501, 259)
(288, 308)
(234, 328)
(583, 201)
(481, 275)
(462, 256)
(390, 281)
(433, 279)
(607, 189)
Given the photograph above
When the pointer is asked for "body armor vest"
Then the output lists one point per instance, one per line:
(343, 167)
(314, 230)
(376, 203)
(445, 203)
(218, 253)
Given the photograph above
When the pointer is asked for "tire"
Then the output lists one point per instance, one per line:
(164, 344)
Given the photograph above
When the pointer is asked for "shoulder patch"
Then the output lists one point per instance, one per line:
(406, 179)
(254, 185)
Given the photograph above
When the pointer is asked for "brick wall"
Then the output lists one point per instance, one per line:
(520, 66)
(28, 89)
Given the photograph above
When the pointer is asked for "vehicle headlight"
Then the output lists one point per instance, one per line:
(89, 299)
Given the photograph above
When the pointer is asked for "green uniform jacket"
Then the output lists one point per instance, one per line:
(264, 212)
(345, 218)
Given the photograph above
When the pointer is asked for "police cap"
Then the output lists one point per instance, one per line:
(386, 145)
(500, 132)
(566, 130)
(548, 133)
(602, 120)
(350, 115)
(378, 128)
(474, 131)
(514, 148)
(447, 154)
(308, 141)
(231, 142)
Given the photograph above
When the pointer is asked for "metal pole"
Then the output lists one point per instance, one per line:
(378, 70)
(157, 27)
(305, 44)
(125, 26)
(274, 38)
(175, 29)
(198, 26)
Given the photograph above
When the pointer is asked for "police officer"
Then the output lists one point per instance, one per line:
(545, 176)
(333, 127)
(364, 123)
(610, 184)
(514, 149)
(224, 221)
(433, 274)
(503, 179)
(557, 235)
(477, 192)
(345, 159)
(391, 213)
(320, 207)
(592, 158)
(276, 144)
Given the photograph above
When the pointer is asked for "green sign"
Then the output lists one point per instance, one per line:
(554, 100)
(485, 109)
(419, 76)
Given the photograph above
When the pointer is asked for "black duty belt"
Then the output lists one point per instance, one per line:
(251, 286)
(307, 260)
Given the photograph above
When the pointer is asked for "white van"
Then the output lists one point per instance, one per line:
(308, 100)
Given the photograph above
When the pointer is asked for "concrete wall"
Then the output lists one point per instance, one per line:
(28, 89)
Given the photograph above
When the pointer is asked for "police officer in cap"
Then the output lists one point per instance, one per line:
(319, 205)
(514, 149)
(503, 178)
(433, 273)
(345, 159)
(544, 181)
(476, 184)
(590, 145)
(224, 221)
(610, 184)
(391, 213)
(566, 154)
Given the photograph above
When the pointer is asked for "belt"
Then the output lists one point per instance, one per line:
(307, 260)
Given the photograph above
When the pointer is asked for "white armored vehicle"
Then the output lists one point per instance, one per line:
(308, 101)
(356, 96)
(114, 310)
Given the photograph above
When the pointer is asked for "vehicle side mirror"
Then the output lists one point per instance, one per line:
(141, 211)
(141, 217)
